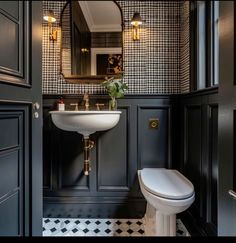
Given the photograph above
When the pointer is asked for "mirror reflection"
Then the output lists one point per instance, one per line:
(91, 44)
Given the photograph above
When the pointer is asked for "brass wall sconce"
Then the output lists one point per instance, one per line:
(50, 18)
(136, 21)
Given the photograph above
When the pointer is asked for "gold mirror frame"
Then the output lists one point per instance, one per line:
(90, 79)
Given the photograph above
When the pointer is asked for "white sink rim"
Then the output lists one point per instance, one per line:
(85, 122)
(85, 112)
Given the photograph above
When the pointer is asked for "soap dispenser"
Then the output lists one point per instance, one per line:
(60, 104)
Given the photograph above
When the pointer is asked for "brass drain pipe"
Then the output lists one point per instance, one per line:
(88, 145)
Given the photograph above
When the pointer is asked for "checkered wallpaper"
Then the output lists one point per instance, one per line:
(184, 48)
(151, 65)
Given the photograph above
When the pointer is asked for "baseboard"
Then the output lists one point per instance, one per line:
(95, 208)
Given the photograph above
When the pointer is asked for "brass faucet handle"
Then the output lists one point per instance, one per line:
(98, 106)
(86, 96)
(76, 106)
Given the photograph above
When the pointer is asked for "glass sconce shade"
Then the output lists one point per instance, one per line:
(136, 20)
(49, 17)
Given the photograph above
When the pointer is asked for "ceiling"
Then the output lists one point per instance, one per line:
(102, 16)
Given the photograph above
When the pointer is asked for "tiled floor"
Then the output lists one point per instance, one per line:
(99, 227)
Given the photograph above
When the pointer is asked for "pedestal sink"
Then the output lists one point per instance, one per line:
(85, 123)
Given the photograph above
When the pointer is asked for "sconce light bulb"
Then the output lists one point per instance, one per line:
(49, 17)
(136, 23)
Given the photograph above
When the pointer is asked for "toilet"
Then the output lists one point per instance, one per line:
(167, 193)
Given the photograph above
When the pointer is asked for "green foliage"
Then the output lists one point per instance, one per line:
(115, 87)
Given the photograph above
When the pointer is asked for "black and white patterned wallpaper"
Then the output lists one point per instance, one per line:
(184, 47)
(151, 65)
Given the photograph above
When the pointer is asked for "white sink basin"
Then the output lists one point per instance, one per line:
(85, 122)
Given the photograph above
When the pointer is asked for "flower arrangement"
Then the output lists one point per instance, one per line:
(115, 89)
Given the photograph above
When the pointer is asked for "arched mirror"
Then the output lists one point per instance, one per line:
(91, 41)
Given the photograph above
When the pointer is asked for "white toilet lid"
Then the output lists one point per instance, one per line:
(166, 183)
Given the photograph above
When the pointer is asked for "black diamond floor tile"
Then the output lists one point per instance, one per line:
(128, 222)
(87, 222)
(96, 231)
(75, 230)
(108, 222)
(86, 231)
(130, 231)
(141, 231)
(63, 230)
(46, 221)
(119, 231)
(107, 231)
(97, 222)
(57, 221)
(53, 230)
(139, 223)
(118, 222)
(67, 221)
(77, 222)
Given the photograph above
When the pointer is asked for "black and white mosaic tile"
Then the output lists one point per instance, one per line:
(99, 227)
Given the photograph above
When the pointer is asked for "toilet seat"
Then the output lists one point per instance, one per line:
(166, 183)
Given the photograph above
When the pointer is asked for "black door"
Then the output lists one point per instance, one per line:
(227, 120)
(20, 118)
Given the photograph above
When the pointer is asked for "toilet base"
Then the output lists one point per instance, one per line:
(159, 224)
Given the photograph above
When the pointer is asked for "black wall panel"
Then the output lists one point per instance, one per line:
(113, 164)
(199, 157)
(14, 21)
(13, 167)
(192, 160)
(10, 219)
(153, 144)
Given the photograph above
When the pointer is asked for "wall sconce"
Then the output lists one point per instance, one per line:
(136, 21)
(50, 18)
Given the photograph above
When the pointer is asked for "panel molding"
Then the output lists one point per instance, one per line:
(158, 107)
(22, 75)
(21, 113)
(128, 159)
(187, 109)
(209, 216)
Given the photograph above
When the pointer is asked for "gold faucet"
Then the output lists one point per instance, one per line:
(86, 99)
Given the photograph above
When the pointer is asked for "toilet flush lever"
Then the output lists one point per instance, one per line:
(153, 123)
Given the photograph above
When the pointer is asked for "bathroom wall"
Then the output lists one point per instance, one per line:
(184, 47)
(151, 66)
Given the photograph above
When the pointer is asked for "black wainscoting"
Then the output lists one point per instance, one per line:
(199, 157)
(187, 139)
(112, 189)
